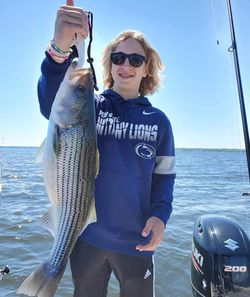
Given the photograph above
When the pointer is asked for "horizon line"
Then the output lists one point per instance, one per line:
(179, 148)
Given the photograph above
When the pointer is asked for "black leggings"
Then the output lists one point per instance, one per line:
(92, 266)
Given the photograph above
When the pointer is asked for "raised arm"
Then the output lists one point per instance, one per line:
(70, 20)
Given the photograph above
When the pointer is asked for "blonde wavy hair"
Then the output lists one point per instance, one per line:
(149, 84)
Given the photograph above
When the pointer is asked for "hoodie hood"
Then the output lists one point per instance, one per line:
(122, 107)
(116, 98)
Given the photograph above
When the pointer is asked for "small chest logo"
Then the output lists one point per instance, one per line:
(145, 151)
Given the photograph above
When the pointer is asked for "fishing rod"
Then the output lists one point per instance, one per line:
(233, 49)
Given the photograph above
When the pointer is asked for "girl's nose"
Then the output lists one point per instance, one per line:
(126, 62)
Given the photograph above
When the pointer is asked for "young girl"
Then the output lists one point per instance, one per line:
(134, 187)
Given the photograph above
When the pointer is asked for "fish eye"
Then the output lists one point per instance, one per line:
(79, 90)
(74, 62)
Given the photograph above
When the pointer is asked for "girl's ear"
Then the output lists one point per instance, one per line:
(145, 71)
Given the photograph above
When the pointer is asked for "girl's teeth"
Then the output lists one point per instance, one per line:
(124, 75)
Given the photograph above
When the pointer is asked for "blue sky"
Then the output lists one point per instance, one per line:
(199, 92)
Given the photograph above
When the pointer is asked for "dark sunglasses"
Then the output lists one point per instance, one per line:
(119, 58)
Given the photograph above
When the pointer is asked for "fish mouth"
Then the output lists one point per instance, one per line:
(82, 76)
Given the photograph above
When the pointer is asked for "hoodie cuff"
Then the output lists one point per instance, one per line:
(162, 216)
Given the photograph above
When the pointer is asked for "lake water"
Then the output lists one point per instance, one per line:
(208, 182)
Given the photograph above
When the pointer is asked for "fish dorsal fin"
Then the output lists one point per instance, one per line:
(49, 221)
(40, 152)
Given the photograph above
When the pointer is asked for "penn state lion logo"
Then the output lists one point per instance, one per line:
(145, 151)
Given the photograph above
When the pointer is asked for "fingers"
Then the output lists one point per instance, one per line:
(70, 20)
(75, 21)
(70, 2)
(156, 226)
(73, 8)
(151, 246)
(147, 229)
(73, 15)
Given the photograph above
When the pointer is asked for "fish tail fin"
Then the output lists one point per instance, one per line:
(40, 283)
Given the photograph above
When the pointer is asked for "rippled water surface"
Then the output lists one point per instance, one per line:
(208, 182)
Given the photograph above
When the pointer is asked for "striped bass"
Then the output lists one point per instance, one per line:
(69, 169)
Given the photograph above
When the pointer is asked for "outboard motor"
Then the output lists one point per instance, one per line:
(220, 265)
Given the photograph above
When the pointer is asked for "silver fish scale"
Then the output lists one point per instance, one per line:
(76, 171)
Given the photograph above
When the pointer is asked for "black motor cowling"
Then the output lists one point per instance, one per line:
(220, 264)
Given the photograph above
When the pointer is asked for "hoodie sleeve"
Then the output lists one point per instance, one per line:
(164, 173)
(49, 82)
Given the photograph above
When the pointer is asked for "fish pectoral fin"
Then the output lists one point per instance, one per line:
(40, 153)
(92, 214)
(49, 220)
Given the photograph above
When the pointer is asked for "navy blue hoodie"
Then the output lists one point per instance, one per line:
(137, 164)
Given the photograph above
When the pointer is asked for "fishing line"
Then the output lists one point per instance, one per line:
(214, 22)
(90, 60)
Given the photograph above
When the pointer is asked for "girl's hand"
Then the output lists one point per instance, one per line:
(69, 21)
(156, 226)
